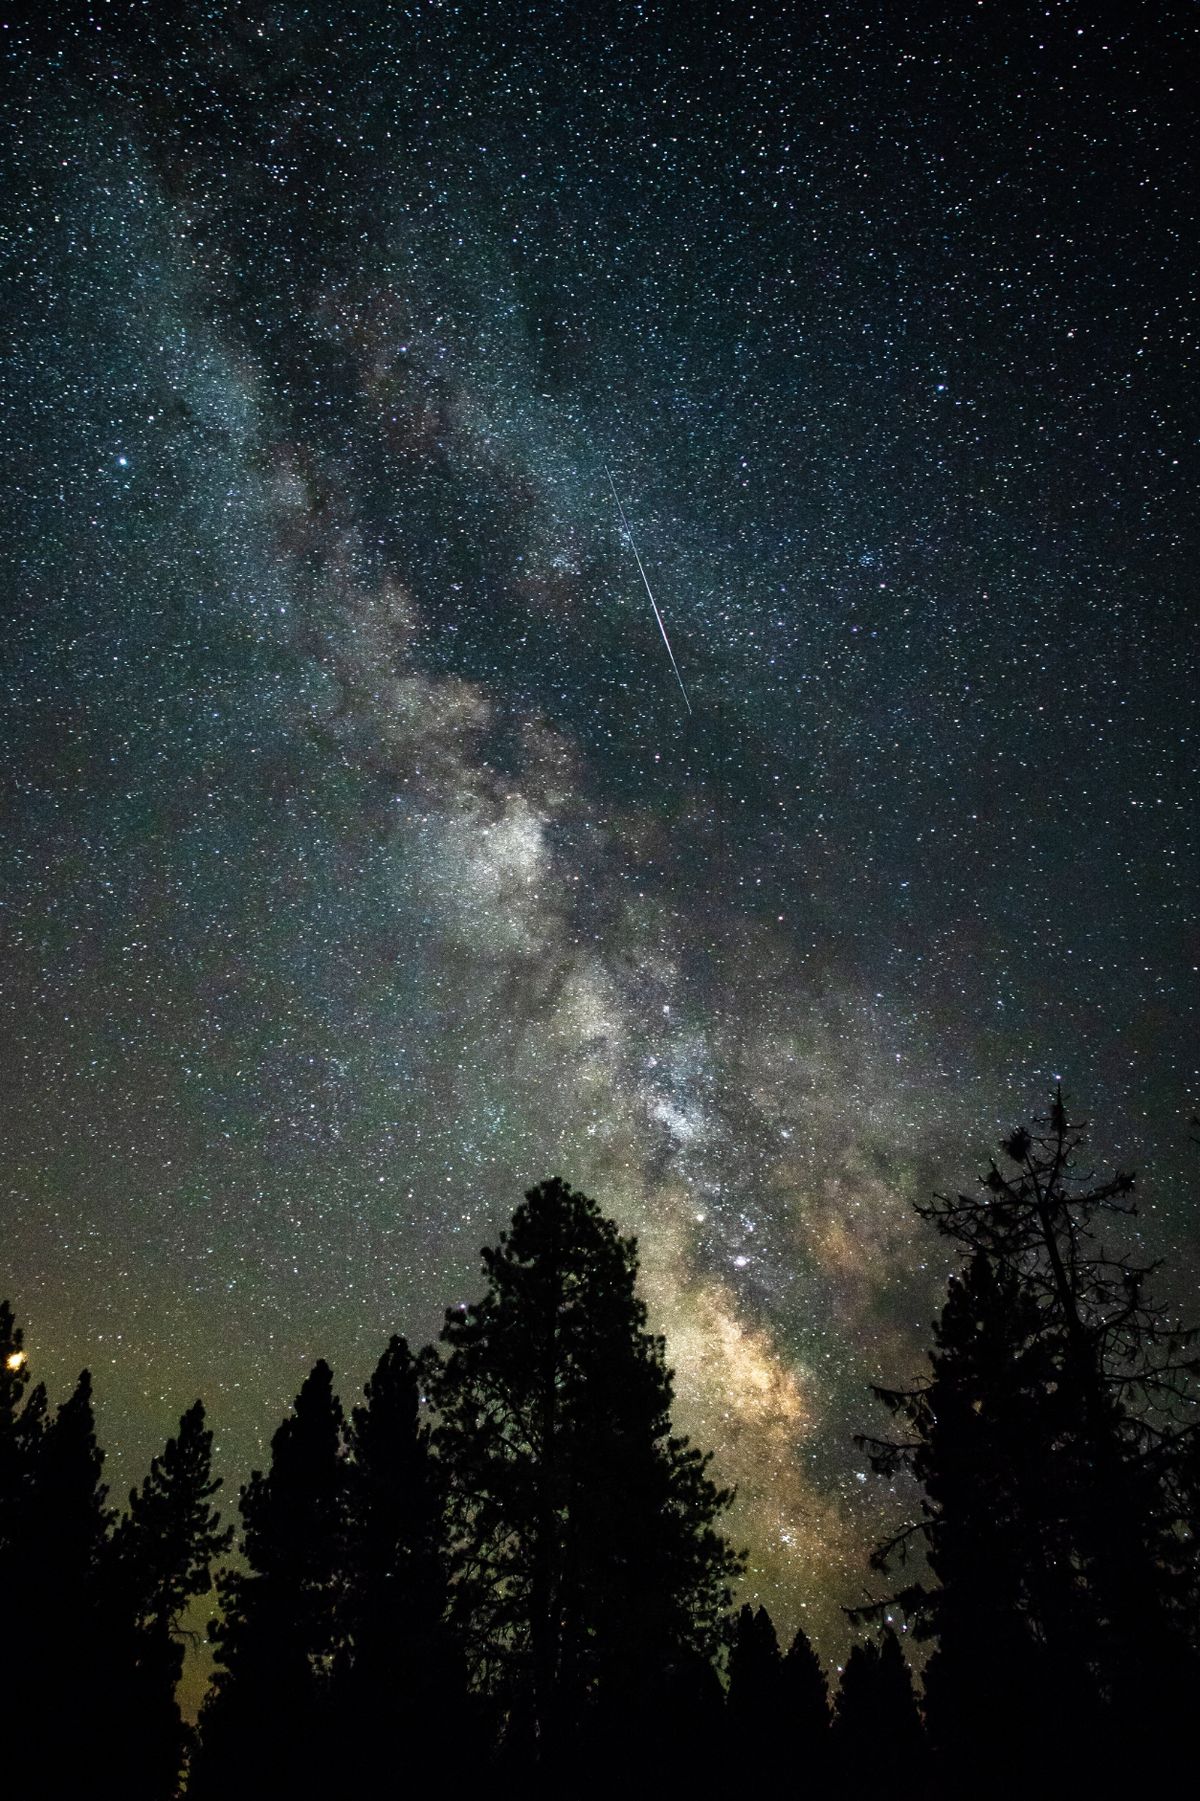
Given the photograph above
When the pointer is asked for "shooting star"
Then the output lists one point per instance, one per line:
(645, 583)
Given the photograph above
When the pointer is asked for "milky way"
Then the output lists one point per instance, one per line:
(362, 865)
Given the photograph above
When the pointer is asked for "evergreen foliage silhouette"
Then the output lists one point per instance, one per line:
(169, 1539)
(990, 1428)
(1049, 1442)
(805, 1696)
(71, 1518)
(777, 1707)
(590, 1580)
(877, 1737)
(805, 1711)
(403, 1676)
(268, 1725)
(162, 1556)
(56, 1614)
(70, 1611)
(755, 1679)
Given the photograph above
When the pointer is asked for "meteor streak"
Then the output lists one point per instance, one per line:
(645, 583)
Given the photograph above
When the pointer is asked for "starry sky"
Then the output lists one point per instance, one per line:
(362, 861)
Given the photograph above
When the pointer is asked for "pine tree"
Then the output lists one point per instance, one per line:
(172, 1534)
(755, 1718)
(877, 1739)
(60, 1619)
(755, 1665)
(61, 1612)
(71, 1517)
(992, 1439)
(402, 1690)
(1044, 1441)
(590, 1581)
(267, 1726)
(804, 1706)
(162, 1556)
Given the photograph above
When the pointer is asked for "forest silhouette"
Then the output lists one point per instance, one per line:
(504, 1565)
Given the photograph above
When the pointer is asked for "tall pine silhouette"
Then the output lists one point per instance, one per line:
(754, 1702)
(590, 1578)
(161, 1556)
(91, 1612)
(1006, 1609)
(777, 1707)
(62, 1633)
(805, 1707)
(877, 1739)
(268, 1726)
(402, 1683)
(1048, 1441)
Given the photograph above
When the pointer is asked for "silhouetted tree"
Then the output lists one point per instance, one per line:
(989, 1431)
(162, 1555)
(169, 1539)
(1043, 1440)
(590, 1580)
(757, 1727)
(877, 1740)
(72, 1519)
(66, 1614)
(60, 1626)
(267, 1727)
(804, 1706)
(402, 1690)
(755, 1670)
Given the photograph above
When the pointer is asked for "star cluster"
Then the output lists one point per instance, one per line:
(363, 864)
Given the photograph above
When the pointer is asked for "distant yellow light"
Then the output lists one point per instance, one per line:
(15, 1360)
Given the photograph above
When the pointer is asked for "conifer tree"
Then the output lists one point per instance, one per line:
(755, 1664)
(756, 1721)
(172, 1534)
(267, 1726)
(162, 1556)
(71, 1516)
(62, 1625)
(1045, 1441)
(1121, 1372)
(805, 1690)
(804, 1707)
(877, 1739)
(56, 1606)
(402, 1689)
(589, 1574)
(990, 1430)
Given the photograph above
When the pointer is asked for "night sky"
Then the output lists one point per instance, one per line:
(362, 863)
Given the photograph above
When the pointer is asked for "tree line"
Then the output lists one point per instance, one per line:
(504, 1563)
